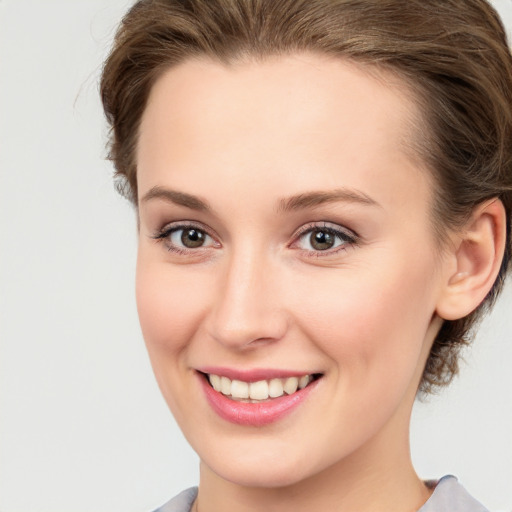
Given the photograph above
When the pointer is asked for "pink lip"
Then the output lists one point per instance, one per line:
(254, 414)
(253, 375)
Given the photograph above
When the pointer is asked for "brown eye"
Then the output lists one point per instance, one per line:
(325, 239)
(322, 240)
(192, 238)
(186, 239)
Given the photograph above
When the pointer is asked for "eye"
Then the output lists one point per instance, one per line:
(191, 238)
(182, 238)
(324, 238)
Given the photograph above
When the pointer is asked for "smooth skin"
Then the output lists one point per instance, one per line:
(311, 250)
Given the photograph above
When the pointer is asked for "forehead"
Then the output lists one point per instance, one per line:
(283, 116)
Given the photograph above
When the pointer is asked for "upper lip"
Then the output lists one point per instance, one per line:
(252, 375)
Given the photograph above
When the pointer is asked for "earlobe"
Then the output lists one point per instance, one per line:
(477, 254)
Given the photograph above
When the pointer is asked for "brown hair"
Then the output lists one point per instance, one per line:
(452, 53)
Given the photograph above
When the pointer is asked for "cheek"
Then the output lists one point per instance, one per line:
(169, 317)
(168, 314)
(372, 324)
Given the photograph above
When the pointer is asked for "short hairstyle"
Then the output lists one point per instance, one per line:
(453, 55)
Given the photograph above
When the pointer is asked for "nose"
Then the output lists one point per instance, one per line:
(247, 311)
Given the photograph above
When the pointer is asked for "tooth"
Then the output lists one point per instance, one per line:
(291, 384)
(239, 389)
(275, 388)
(258, 390)
(215, 382)
(304, 381)
(225, 386)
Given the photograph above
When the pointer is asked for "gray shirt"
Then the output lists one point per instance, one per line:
(448, 496)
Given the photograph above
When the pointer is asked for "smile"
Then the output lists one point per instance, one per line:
(256, 402)
(258, 391)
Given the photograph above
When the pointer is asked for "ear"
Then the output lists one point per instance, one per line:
(474, 261)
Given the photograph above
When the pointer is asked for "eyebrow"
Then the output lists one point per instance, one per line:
(179, 198)
(293, 203)
(317, 198)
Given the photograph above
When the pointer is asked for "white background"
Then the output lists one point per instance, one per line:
(82, 424)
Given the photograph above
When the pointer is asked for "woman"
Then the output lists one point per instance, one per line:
(324, 195)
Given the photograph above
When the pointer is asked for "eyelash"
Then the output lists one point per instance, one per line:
(165, 233)
(347, 237)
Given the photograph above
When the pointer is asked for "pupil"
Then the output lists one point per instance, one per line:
(192, 238)
(321, 240)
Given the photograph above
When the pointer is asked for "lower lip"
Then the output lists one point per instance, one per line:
(254, 414)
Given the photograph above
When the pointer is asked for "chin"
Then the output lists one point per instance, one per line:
(261, 476)
(259, 467)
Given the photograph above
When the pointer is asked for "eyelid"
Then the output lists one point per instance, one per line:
(327, 225)
(180, 224)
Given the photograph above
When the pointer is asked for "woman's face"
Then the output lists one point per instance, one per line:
(285, 232)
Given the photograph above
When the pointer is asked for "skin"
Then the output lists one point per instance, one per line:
(258, 295)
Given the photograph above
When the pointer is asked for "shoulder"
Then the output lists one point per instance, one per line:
(180, 503)
(450, 496)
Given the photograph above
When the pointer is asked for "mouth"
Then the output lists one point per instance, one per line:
(248, 399)
(260, 390)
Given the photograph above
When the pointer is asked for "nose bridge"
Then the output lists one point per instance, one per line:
(247, 307)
